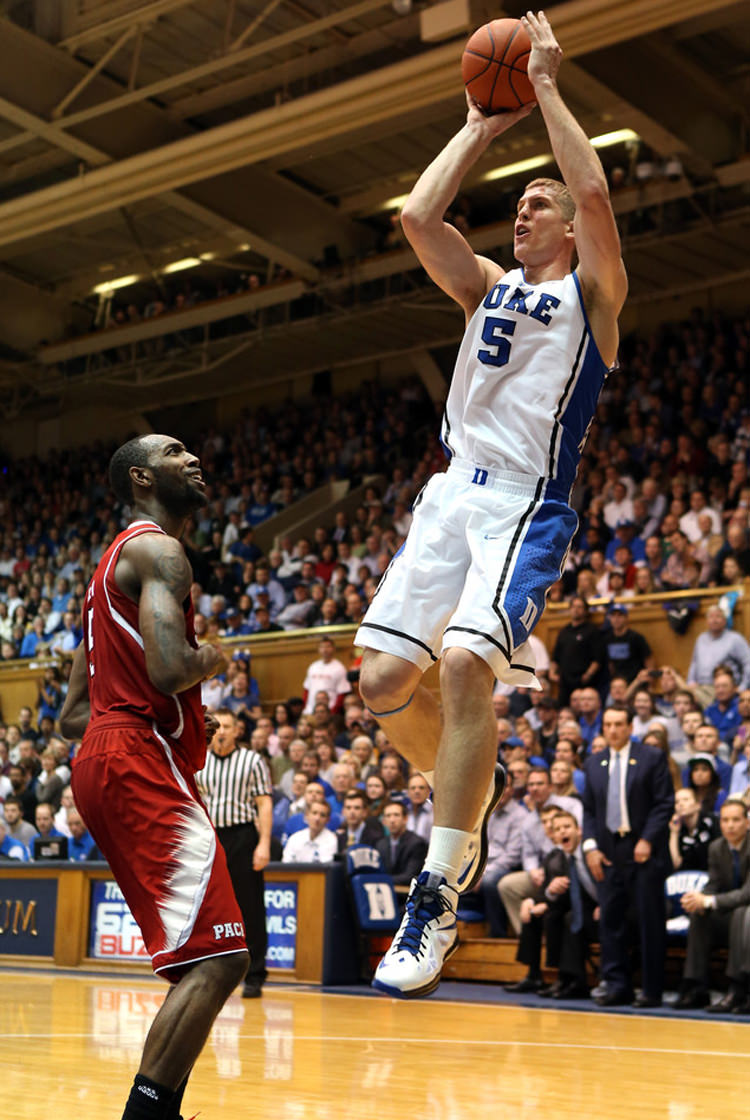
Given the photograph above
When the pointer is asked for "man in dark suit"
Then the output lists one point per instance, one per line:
(719, 915)
(565, 909)
(402, 851)
(358, 828)
(627, 804)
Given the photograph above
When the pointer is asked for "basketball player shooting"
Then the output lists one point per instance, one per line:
(490, 535)
(134, 695)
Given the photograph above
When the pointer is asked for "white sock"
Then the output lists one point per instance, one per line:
(446, 853)
(429, 777)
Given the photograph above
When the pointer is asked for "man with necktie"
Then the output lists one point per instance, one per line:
(564, 908)
(627, 804)
(357, 827)
(402, 851)
(574, 913)
(720, 915)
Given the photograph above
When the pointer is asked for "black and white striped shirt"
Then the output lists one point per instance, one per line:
(229, 786)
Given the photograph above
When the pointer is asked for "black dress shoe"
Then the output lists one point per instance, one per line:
(613, 998)
(646, 1001)
(732, 1001)
(572, 990)
(528, 984)
(251, 991)
(550, 991)
(692, 1000)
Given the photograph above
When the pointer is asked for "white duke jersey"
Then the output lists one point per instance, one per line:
(526, 382)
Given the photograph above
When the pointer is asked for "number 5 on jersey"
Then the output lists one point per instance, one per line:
(494, 333)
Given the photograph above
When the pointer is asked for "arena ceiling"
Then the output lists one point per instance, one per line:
(264, 132)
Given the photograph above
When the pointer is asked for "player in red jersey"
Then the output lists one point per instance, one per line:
(134, 695)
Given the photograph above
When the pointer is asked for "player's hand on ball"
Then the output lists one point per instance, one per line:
(546, 52)
(496, 123)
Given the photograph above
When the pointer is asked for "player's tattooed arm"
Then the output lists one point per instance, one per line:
(165, 577)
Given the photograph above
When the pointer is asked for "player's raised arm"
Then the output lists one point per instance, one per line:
(76, 710)
(443, 251)
(600, 270)
(165, 577)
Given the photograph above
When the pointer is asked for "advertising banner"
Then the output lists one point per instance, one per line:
(281, 924)
(27, 916)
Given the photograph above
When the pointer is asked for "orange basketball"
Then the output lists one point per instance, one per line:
(494, 66)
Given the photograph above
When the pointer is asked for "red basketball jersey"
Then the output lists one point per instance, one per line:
(118, 680)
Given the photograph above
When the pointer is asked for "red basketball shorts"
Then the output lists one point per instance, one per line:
(141, 805)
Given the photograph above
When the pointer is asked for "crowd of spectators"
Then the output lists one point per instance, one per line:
(663, 498)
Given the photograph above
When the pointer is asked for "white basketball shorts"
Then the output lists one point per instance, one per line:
(482, 551)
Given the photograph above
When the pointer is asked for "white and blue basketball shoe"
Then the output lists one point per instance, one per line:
(426, 938)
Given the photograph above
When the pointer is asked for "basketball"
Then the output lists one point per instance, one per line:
(494, 65)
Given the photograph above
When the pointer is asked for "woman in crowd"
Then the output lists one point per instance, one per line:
(690, 832)
(392, 772)
(49, 784)
(305, 729)
(704, 781)
(644, 582)
(327, 758)
(377, 795)
(561, 777)
(367, 756)
(644, 705)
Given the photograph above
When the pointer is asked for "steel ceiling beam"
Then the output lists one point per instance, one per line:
(343, 109)
(146, 14)
(58, 137)
(581, 26)
(234, 58)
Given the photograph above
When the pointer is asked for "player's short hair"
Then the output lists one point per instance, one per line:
(562, 195)
(134, 453)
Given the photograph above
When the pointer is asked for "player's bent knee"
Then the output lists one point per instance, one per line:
(465, 671)
(386, 682)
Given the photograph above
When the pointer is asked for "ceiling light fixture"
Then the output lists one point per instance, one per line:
(108, 286)
(178, 266)
(516, 168)
(619, 136)
(606, 140)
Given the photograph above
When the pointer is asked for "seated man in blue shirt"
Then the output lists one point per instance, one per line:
(10, 848)
(724, 713)
(81, 841)
(45, 822)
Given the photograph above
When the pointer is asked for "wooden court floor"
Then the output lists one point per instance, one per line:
(69, 1046)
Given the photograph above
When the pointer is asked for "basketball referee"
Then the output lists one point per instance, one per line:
(236, 788)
